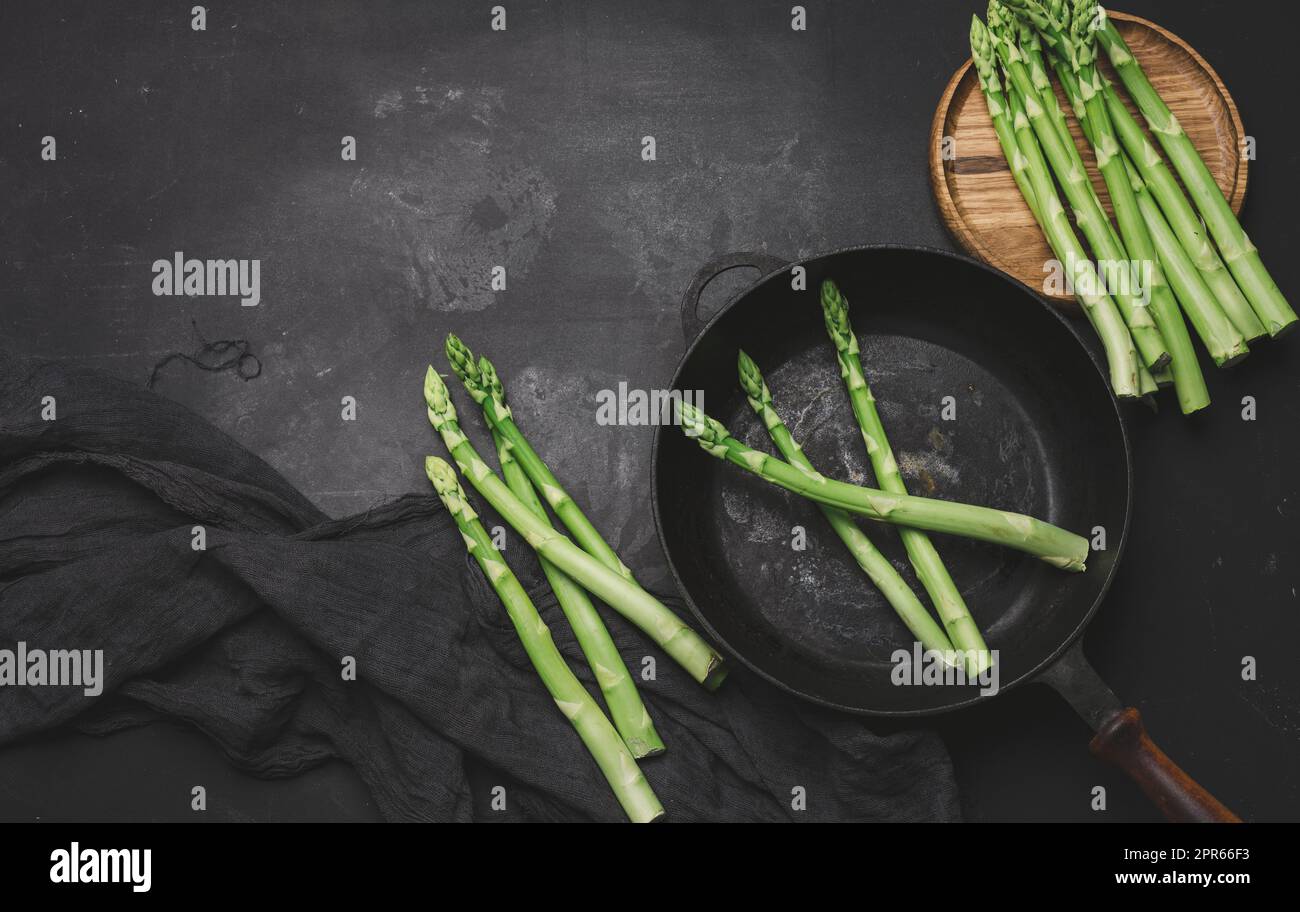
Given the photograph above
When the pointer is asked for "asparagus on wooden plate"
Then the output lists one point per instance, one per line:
(1083, 87)
(1015, 530)
(1082, 197)
(874, 564)
(1189, 229)
(606, 746)
(1239, 253)
(929, 567)
(1021, 147)
(620, 593)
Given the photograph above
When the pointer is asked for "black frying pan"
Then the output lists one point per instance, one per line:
(1036, 430)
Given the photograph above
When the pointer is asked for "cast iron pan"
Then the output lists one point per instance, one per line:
(1036, 430)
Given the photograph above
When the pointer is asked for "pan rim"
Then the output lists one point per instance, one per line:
(1025, 678)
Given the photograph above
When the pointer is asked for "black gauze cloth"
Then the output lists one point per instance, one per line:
(245, 640)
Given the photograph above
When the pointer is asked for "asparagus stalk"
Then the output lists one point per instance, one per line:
(607, 748)
(625, 706)
(1225, 295)
(628, 599)
(929, 567)
(1015, 530)
(1084, 90)
(1026, 158)
(1032, 48)
(1074, 181)
(1222, 340)
(491, 398)
(1239, 253)
(877, 567)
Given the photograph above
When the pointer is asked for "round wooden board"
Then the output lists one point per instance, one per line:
(977, 196)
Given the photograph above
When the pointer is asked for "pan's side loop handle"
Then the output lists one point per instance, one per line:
(1123, 742)
(692, 324)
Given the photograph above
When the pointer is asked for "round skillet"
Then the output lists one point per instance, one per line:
(989, 398)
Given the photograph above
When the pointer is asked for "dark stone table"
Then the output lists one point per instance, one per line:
(522, 149)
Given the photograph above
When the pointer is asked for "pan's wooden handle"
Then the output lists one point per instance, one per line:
(1123, 742)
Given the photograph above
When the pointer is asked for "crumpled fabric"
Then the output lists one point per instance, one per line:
(246, 639)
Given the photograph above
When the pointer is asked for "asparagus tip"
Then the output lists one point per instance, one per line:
(441, 475)
(436, 397)
(751, 380)
(461, 360)
(708, 432)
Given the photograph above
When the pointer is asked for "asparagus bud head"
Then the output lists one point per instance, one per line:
(836, 312)
(436, 397)
(492, 387)
(1083, 30)
(447, 484)
(751, 381)
(981, 52)
(708, 432)
(463, 366)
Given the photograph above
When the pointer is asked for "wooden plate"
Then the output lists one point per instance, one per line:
(977, 196)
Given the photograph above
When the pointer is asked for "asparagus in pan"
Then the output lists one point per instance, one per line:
(1015, 530)
(874, 564)
(929, 567)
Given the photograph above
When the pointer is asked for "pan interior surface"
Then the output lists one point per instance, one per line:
(987, 397)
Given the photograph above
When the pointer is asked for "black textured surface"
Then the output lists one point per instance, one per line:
(522, 148)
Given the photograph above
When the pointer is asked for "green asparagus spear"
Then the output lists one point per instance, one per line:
(624, 596)
(1026, 158)
(929, 567)
(1225, 295)
(1090, 216)
(500, 418)
(1031, 46)
(877, 567)
(1015, 530)
(616, 684)
(1222, 340)
(1239, 253)
(1083, 87)
(606, 747)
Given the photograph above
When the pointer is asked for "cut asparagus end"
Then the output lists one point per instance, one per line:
(716, 674)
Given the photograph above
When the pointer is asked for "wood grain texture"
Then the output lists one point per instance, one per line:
(977, 196)
(1123, 742)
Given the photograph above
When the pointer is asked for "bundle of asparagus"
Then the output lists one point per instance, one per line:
(1226, 293)
(572, 570)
